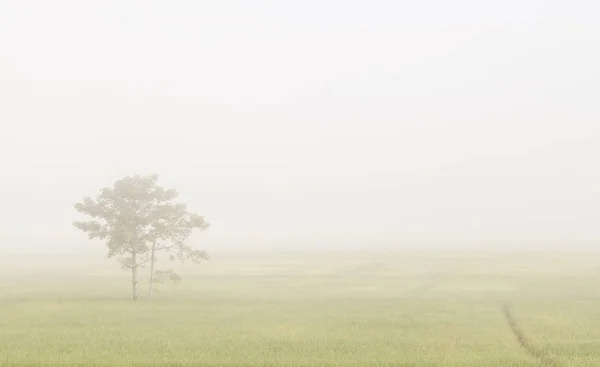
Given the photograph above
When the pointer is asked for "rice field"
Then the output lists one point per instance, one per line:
(308, 309)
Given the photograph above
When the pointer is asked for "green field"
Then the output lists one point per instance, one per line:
(309, 309)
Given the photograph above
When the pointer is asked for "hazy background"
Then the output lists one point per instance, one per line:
(307, 124)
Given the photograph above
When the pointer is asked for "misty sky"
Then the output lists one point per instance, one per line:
(307, 124)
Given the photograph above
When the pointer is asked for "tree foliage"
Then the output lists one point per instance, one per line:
(173, 225)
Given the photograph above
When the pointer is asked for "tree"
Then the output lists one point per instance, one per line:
(173, 225)
(162, 276)
(135, 217)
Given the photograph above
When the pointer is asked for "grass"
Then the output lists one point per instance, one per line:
(345, 309)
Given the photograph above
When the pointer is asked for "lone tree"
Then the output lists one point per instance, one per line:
(137, 218)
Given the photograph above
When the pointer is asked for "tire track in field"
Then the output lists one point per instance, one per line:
(523, 341)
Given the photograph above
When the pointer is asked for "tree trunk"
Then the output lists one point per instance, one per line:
(134, 275)
(152, 260)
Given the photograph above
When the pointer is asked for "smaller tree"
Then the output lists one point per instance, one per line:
(162, 276)
(172, 227)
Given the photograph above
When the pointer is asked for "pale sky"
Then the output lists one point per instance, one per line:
(307, 124)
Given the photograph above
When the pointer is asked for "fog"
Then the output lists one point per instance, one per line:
(307, 125)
